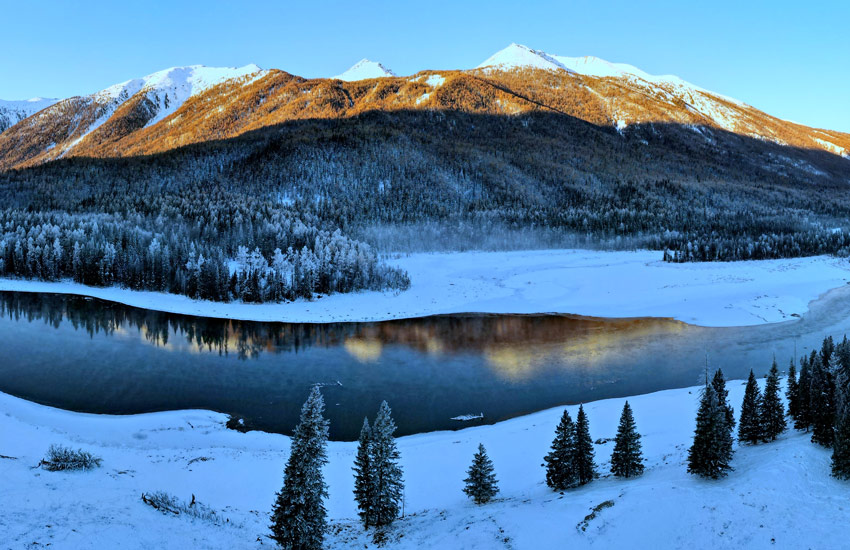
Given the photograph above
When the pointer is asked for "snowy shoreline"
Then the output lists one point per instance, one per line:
(760, 505)
(580, 282)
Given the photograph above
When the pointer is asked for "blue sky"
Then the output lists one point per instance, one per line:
(791, 59)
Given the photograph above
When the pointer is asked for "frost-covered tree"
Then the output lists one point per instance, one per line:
(299, 516)
(823, 401)
(772, 411)
(386, 471)
(560, 468)
(719, 383)
(804, 396)
(627, 458)
(792, 392)
(750, 429)
(481, 484)
(583, 460)
(711, 452)
(364, 483)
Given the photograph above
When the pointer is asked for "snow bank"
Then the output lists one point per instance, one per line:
(603, 284)
(762, 504)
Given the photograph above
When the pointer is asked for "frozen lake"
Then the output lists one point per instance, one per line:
(89, 355)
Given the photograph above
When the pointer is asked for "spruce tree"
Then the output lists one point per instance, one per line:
(583, 459)
(560, 471)
(750, 426)
(364, 484)
(627, 459)
(804, 396)
(822, 402)
(481, 484)
(299, 517)
(841, 434)
(387, 475)
(719, 383)
(772, 411)
(711, 451)
(792, 392)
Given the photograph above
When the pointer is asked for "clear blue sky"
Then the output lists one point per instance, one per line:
(789, 58)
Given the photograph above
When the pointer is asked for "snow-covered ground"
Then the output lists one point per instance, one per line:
(604, 284)
(779, 495)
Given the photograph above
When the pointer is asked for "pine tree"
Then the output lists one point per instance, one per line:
(804, 396)
(481, 484)
(364, 485)
(772, 411)
(823, 402)
(387, 475)
(750, 426)
(560, 471)
(719, 383)
(841, 434)
(299, 517)
(792, 392)
(583, 459)
(711, 451)
(627, 459)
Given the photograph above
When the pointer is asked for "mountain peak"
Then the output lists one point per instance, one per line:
(365, 69)
(517, 55)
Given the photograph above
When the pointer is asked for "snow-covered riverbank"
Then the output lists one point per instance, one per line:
(766, 502)
(602, 284)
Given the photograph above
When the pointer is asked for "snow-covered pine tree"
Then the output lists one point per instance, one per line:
(627, 459)
(792, 392)
(711, 451)
(386, 472)
(560, 471)
(481, 484)
(823, 402)
(299, 516)
(583, 459)
(364, 485)
(804, 396)
(750, 426)
(772, 411)
(719, 383)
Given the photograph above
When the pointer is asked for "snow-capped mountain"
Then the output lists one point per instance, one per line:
(184, 105)
(363, 70)
(12, 112)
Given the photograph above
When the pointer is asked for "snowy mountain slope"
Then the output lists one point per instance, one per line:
(12, 112)
(62, 126)
(365, 69)
(710, 104)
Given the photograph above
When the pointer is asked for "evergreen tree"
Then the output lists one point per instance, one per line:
(364, 485)
(841, 444)
(299, 517)
(627, 459)
(711, 451)
(772, 411)
(804, 396)
(823, 402)
(386, 472)
(481, 484)
(719, 383)
(792, 392)
(583, 459)
(560, 470)
(750, 427)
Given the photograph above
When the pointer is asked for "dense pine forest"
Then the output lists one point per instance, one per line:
(302, 208)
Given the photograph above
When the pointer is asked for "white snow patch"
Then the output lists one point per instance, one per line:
(604, 284)
(363, 70)
(773, 489)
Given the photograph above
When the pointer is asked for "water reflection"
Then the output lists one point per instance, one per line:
(89, 355)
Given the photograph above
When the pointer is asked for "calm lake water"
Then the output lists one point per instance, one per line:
(94, 356)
